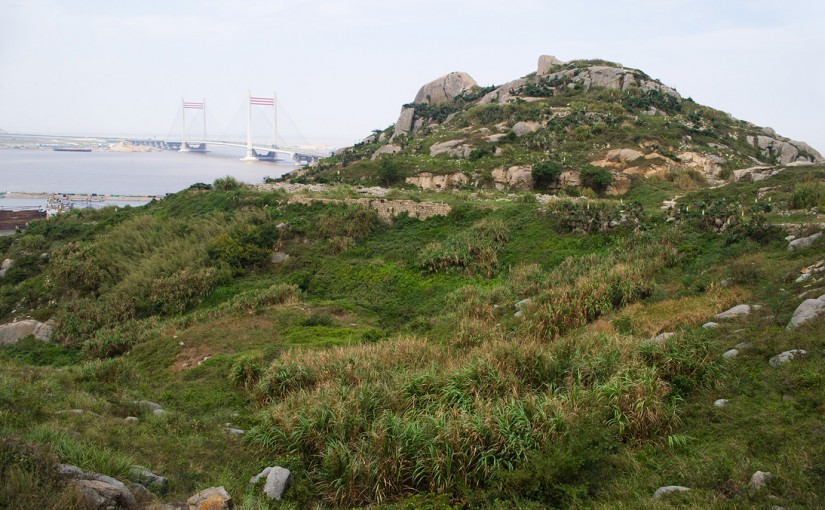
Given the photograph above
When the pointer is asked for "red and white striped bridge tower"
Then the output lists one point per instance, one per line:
(259, 101)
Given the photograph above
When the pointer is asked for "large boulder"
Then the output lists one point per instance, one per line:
(445, 88)
(12, 332)
(807, 310)
(99, 495)
(5, 266)
(389, 149)
(454, 148)
(785, 151)
(404, 124)
(429, 181)
(515, 177)
(804, 242)
(98, 492)
(278, 481)
(546, 63)
(785, 357)
(213, 498)
(736, 311)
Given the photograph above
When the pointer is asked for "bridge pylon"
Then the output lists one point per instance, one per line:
(184, 105)
(251, 155)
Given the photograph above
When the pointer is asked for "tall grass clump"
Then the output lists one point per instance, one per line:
(808, 194)
(474, 250)
(83, 455)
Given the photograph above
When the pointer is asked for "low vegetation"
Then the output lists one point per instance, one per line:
(500, 356)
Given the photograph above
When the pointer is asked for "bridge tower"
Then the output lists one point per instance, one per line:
(184, 105)
(259, 101)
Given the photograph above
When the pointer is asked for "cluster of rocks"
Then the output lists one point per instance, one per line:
(100, 492)
(758, 481)
(15, 331)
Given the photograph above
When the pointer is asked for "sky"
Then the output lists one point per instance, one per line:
(342, 68)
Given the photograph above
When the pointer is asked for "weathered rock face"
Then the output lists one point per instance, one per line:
(736, 311)
(523, 128)
(428, 181)
(213, 498)
(278, 481)
(14, 331)
(386, 149)
(620, 185)
(785, 151)
(98, 495)
(454, 148)
(546, 62)
(5, 266)
(98, 492)
(807, 310)
(754, 173)
(404, 124)
(785, 357)
(709, 164)
(804, 242)
(515, 177)
(445, 88)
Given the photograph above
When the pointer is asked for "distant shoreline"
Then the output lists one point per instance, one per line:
(79, 196)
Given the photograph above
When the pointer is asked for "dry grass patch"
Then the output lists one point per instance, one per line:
(666, 315)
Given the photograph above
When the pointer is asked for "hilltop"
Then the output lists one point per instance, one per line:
(588, 122)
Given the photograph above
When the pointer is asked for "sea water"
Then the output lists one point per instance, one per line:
(123, 173)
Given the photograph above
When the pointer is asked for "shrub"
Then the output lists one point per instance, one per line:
(475, 249)
(546, 173)
(807, 195)
(227, 183)
(182, 290)
(596, 178)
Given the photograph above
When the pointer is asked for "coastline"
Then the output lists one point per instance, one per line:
(79, 196)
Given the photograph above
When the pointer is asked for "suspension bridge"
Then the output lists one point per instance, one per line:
(254, 151)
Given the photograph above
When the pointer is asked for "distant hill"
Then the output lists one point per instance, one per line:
(589, 116)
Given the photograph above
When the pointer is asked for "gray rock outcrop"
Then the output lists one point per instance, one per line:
(515, 177)
(404, 124)
(445, 88)
(736, 311)
(5, 266)
(14, 331)
(454, 148)
(389, 149)
(807, 310)
(98, 492)
(546, 63)
(803, 242)
(670, 489)
(783, 150)
(213, 498)
(785, 357)
(429, 181)
(710, 325)
(722, 402)
(278, 481)
(730, 353)
(760, 479)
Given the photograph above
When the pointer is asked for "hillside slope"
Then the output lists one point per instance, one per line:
(419, 350)
(575, 115)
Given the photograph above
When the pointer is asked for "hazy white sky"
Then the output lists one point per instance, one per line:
(344, 67)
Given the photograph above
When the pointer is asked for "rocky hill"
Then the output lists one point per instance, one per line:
(573, 116)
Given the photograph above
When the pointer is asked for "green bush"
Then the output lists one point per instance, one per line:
(227, 183)
(546, 173)
(596, 178)
(807, 195)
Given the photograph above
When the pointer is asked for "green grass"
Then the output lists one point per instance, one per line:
(380, 382)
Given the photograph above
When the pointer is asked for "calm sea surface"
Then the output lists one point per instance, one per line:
(120, 173)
